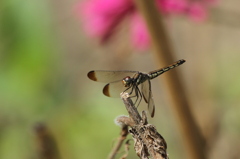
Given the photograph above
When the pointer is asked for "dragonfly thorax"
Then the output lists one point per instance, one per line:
(140, 78)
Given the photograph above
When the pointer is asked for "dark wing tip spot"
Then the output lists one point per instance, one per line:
(153, 112)
(106, 90)
(91, 75)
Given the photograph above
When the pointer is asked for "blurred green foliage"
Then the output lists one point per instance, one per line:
(33, 88)
(28, 57)
(28, 62)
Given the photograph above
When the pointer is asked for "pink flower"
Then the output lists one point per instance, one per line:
(172, 6)
(139, 34)
(102, 17)
(195, 9)
(197, 12)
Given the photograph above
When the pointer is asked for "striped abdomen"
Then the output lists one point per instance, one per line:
(154, 74)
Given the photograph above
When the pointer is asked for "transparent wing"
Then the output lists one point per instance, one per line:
(114, 89)
(109, 76)
(147, 96)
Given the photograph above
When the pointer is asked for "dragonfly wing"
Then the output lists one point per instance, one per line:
(147, 96)
(114, 89)
(108, 76)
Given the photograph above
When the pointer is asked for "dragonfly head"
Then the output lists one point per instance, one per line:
(127, 81)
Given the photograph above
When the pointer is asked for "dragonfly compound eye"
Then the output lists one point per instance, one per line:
(127, 81)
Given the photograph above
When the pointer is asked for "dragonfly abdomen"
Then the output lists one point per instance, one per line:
(156, 73)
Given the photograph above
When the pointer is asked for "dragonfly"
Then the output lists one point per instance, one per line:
(136, 83)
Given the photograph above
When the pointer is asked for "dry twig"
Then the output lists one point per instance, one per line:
(123, 135)
(147, 141)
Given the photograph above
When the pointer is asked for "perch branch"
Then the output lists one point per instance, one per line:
(146, 138)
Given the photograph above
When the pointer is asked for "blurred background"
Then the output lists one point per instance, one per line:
(45, 56)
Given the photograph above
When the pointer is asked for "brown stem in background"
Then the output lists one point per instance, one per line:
(46, 144)
(164, 55)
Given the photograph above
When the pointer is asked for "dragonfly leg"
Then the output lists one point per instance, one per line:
(138, 94)
(133, 88)
(130, 93)
(128, 89)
